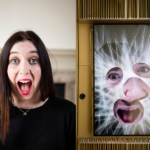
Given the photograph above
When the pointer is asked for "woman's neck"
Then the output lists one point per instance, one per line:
(28, 103)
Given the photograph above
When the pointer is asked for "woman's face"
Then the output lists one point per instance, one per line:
(24, 71)
(128, 110)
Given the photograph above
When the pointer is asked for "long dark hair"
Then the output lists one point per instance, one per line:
(47, 88)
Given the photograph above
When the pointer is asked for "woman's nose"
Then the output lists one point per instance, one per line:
(24, 68)
(136, 89)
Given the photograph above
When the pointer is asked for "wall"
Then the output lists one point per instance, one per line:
(52, 20)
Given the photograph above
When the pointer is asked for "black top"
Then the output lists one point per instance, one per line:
(49, 127)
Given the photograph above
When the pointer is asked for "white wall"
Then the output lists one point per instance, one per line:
(53, 20)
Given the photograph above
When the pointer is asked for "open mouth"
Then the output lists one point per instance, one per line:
(24, 86)
(128, 113)
(128, 116)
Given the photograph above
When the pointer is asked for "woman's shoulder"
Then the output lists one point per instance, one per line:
(59, 103)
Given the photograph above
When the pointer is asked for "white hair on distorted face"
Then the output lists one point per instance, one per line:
(127, 53)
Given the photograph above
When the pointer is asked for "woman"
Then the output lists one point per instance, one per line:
(32, 117)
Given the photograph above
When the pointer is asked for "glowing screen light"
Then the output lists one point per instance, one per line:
(122, 79)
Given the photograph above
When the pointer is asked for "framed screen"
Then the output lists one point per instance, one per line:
(121, 79)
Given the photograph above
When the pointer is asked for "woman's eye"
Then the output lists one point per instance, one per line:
(14, 61)
(33, 61)
(143, 69)
(113, 76)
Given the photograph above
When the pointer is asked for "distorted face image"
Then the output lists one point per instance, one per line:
(121, 80)
(128, 110)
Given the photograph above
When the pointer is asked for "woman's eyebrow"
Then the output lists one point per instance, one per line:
(13, 52)
(34, 52)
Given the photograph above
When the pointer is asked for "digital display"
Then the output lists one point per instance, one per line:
(121, 79)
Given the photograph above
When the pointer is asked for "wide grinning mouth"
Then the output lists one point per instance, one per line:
(24, 86)
(128, 113)
(128, 116)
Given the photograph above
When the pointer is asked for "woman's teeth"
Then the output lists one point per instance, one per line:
(24, 81)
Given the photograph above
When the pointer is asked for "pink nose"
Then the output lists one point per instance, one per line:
(136, 89)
